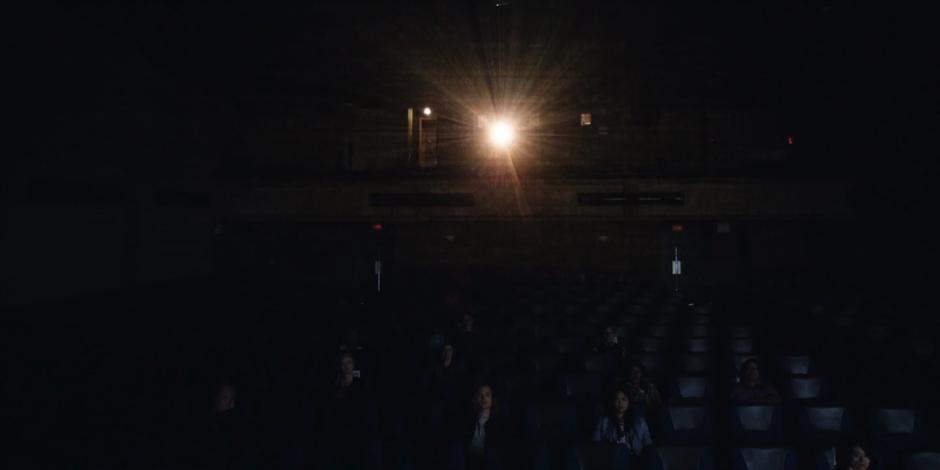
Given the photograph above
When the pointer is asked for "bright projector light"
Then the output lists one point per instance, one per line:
(502, 134)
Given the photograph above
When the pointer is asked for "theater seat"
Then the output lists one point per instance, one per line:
(756, 425)
(599, 363)
(738, 332)
(741, 346)
(825, 459)
(550, 422)
(685, 425)
(569, 345)
(699, 331)
(629, 319)
(523, 386)
(698, 345)
(763, 459)
(806, 388)
(694, 364)
(660, 331)
(546, 363)
(823, 424)
(796, 365)
(578, 387)
(652, 363)
(897, 430)
(691, 387)
(602, 457)
(922, 461)
(679, 458)
(457, 458)
(651, 345)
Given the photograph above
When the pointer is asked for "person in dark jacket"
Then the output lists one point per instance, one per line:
(610, 343)
(346, 427)
(446, 375)
(750, 389)
(640, 388)
(222, 445)
(482, 434)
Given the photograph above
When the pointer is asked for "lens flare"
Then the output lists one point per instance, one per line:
(502, 134)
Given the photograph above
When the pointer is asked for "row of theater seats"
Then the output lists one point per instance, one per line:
(536, 351)
(599, 457)
(695, 356)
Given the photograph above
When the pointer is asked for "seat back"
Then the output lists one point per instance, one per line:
(653, 363)
(580, 387)
(796, 365)
(823, 424)
(740, 332)
(805, 388)
(756, 418)
(683, 425)
(599, 363)
(603, 457)
(698, 345)
(555, 422)
(922, 461)
(694, 364)
(660, 331)
(651, 345)
(741, 345)
(756, 425)
(819, 418)
(887, 421)
(680, 458)
(700, 331)
(764, 459)
(692, 387)
(895, 431)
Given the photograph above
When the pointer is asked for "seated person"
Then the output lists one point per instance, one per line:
(750, 389)
(446, 374)
(622, 426)
(345, 424)
(467, 336)
(483, 431)
(223, 437)
(609, 343)
(639, 387)
(852, 457)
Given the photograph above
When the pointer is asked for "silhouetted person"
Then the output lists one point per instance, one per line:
(483, 432)
(750, 389)
(223, 443)
(639, 387)
(469, 341)
(346, 420)
(852, 457)
(446, 375)
(623, 426)
(609, 343)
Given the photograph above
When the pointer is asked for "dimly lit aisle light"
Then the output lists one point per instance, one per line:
(502, 134)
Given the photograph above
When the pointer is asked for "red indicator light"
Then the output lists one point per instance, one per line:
(377, 227)
(677, 228)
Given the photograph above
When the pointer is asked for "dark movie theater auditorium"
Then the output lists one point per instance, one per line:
(471, 235)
